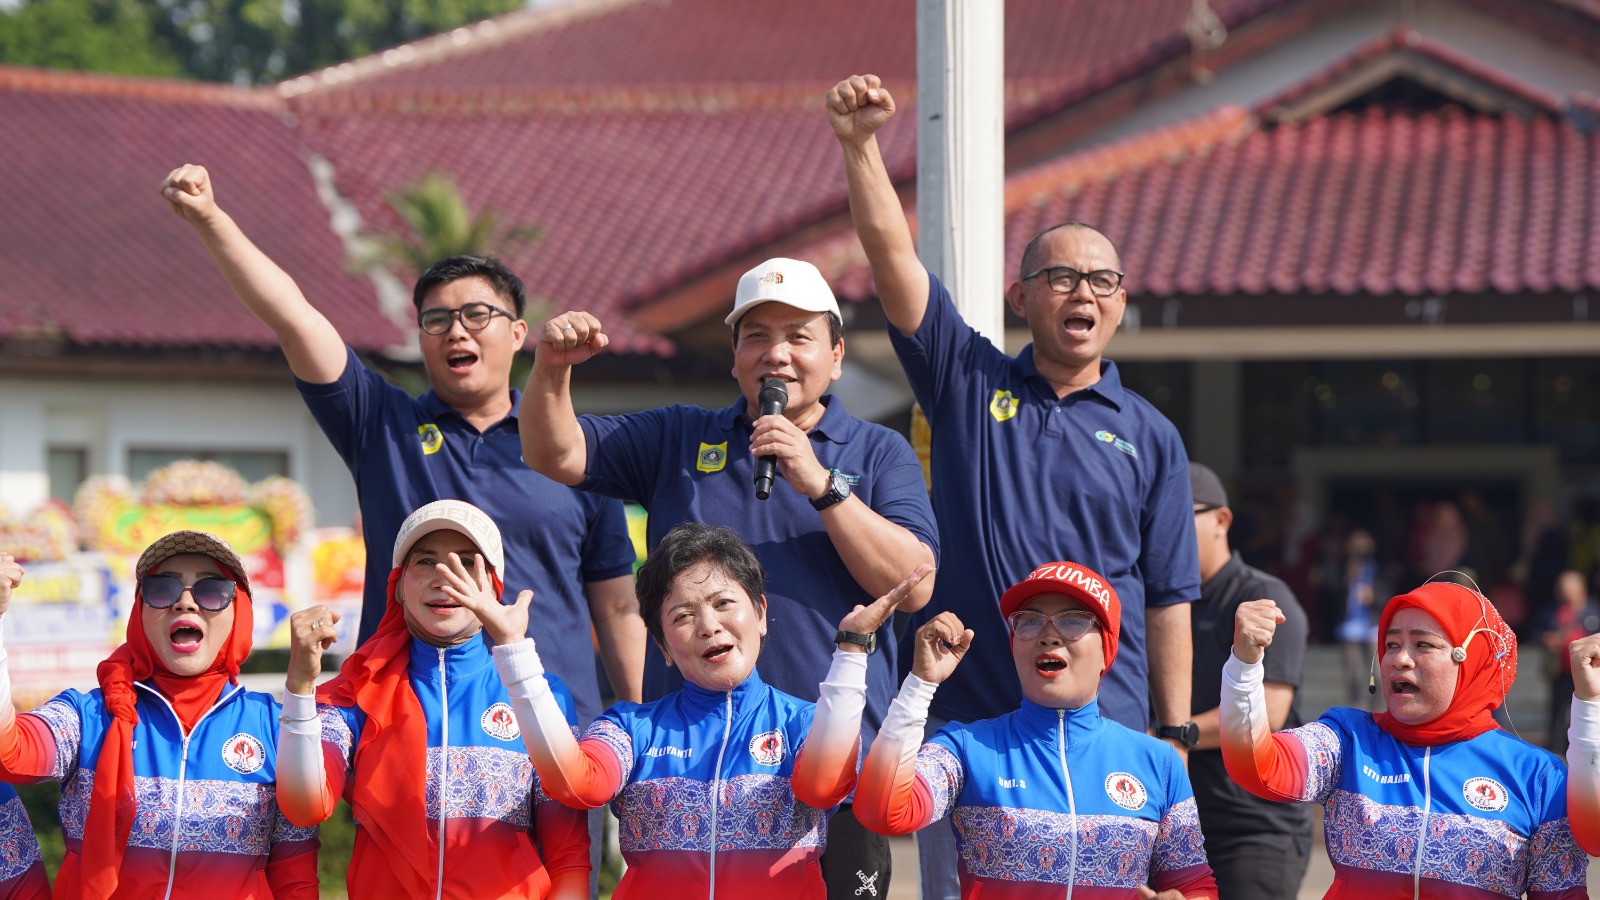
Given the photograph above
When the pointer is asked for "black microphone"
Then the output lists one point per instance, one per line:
(774, 397)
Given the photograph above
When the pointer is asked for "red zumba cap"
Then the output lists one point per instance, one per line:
(1082, 584)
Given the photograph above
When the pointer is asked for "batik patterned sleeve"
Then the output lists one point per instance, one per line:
(825, 768)
(1583, 774)
(581, 774)
(1178, 861)
(906, 784)
(1298, 765)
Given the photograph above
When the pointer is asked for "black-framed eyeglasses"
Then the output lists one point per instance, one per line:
(473, 316)
(1064, 279)
(211, 593)
(1071, 624)
(1205, 508)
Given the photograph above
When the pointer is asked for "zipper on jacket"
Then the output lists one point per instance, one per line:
(183, 766)
(1072, 803)
(444, 770)
(716, 794)
(1422, 831)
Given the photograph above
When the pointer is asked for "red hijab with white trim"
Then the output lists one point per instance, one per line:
(112, 804)
(1483, 678)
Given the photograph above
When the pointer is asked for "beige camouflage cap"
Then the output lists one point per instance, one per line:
(181, 542)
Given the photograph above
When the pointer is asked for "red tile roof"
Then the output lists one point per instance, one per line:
(655, 143)
(1375, 203)
(643, 44)
(90, 250)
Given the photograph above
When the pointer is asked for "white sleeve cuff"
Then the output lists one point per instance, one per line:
(300, 714)
(1585, 726)
(519, 664)
(1242, 676)
(847, 669)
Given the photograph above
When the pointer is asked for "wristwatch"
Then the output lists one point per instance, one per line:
(869, 641)
(1187, 734)
(838, 490)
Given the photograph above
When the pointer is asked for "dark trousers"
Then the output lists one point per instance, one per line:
(855, 864)
(1258, 867)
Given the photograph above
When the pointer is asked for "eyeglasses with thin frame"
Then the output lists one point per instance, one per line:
(211, 593)
(1205, 508)
(1064, 279)
(1071, 624)
(473, 316)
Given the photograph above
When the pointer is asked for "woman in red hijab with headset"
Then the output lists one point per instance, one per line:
(1429, 798)
(168, 769)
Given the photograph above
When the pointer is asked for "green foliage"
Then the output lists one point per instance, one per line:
(237, 41)
(257, 41)
(112, 36)
(439, 225)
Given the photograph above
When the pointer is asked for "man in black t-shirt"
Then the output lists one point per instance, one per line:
(1257, 849)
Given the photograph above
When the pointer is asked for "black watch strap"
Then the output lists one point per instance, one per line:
(838, 490)
(1187, 734)
(869, 641)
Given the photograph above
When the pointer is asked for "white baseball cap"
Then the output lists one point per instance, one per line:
(789, 281)
(454, 515)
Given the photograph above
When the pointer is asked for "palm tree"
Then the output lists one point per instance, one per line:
(439, 225)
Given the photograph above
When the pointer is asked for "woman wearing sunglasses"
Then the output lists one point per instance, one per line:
(416, 732)
(1052, 798)
(1428, 798)
(168, 769)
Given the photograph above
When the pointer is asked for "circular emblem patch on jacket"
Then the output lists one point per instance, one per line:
(767, 748)
(1125, 790)
(500, 723)
(1486, 794)
(244, 754)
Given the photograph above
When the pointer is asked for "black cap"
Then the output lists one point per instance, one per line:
(1206, 486)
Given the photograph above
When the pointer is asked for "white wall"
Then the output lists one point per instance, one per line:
(110, 417)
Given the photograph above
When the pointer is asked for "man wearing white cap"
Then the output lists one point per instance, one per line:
(853, 519)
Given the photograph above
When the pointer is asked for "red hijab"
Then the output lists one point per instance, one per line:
(112, 804)
(388, 794)
(1482, 679)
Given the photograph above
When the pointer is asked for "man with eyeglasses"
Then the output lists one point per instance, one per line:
(457, 441)
(1258, 849)
(1040, 456)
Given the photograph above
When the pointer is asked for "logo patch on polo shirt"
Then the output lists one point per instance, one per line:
(766, 748)
(432, 438)
(499, 723)
(1106, 437)
(712, 457)
(1125, 790)
(244, 754)
(1003, 406)
(1486, 794)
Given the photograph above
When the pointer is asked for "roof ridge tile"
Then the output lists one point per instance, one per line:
(20, 79)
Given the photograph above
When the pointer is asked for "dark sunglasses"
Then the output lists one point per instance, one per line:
(211, 593)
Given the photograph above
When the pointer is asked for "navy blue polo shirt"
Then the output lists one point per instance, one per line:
(1021, 478)
(406, 451)
(691, 464)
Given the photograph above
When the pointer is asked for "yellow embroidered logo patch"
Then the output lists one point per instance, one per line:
(432, 438)
(712, 457)
(1003, 406)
